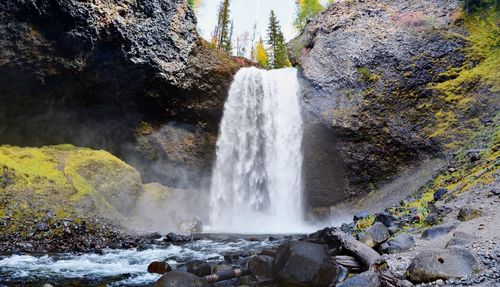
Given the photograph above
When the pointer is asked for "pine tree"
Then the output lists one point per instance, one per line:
(260, 54)
(278, 57)
(227, 44)
(223, 29)
(306, 9)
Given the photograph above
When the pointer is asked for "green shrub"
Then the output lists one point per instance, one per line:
(471, 6)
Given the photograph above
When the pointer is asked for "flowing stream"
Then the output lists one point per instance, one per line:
(115, 267)
(257, 178)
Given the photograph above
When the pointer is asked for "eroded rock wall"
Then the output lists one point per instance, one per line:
(376, 75)
(93, 73)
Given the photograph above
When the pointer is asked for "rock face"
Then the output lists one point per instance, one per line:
(444, 264)
(92, 73)
(373, 78)
(301, 264)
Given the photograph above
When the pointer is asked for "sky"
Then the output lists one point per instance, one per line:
(246, 13)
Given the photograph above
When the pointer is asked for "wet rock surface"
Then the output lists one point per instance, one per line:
(304, 264)
(175, 279)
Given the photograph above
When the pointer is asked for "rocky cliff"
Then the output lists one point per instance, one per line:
(95, 73)
(388, 85)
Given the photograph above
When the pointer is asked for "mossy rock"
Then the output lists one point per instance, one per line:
(77, 180)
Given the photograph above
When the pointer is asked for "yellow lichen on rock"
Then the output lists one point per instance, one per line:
(70, 177)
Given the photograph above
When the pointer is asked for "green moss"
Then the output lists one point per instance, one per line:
(66, 180)
(458, 94)
(365, 223)
(367, 75)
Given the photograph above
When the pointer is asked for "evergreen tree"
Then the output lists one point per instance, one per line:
(260, 54)
(222, 32)
(306, 9)
(278, 57)
(227, 45)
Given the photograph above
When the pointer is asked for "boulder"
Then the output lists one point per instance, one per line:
(199, 268)
(365, 279)
(175, 238)
(394, 229)
(190, 227)
(221, 267)
(438, 230)
(304, 264)
(467, 213)
(460, 239)
(159, 267)
(386, 218)
(431, 265)
(400, 243)
(375, 235)
(231, 256)
(176, 279)
(439, 193)
(432, 219)
(261, 266)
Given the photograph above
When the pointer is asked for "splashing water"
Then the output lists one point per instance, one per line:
(257, 179)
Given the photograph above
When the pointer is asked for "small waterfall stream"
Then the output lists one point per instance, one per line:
(257, 178)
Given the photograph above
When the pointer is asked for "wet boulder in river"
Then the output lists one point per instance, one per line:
(159, 267)
(176, 279)
(261, 266)
(301, 264)
(199, 268)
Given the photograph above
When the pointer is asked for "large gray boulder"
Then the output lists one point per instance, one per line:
(304, 264)
(177, 279)
(400, 243)
(261, 266)
(365, 279)
(461, 239)
(438, 231)
(443, 264)
(375, 235)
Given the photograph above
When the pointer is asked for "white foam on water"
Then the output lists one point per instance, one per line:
(112, 263)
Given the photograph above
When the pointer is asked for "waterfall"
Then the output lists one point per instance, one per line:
(256, 183)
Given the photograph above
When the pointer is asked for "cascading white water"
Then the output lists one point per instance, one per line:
(257, 182)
